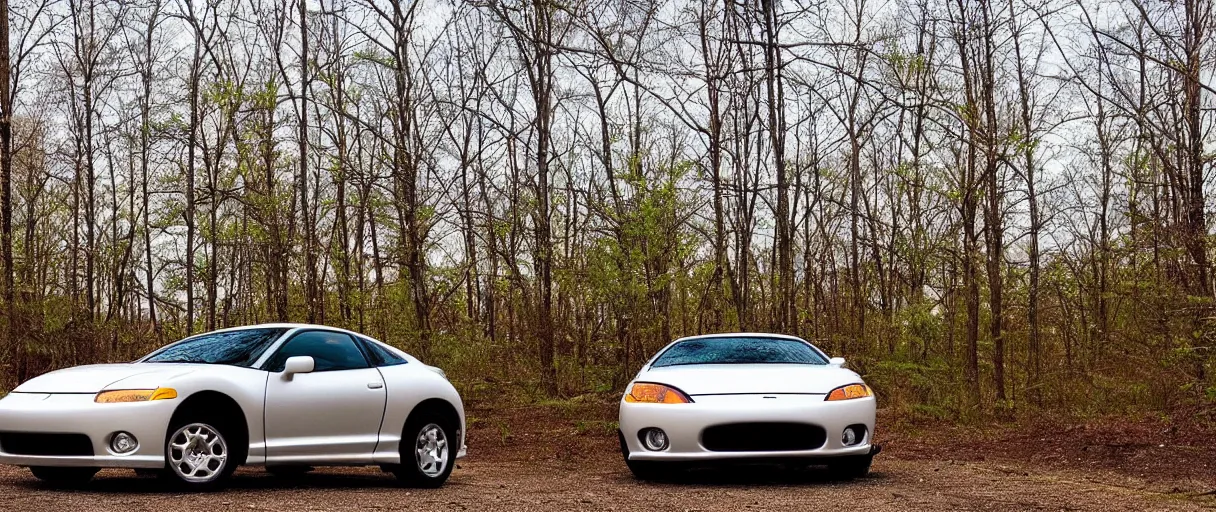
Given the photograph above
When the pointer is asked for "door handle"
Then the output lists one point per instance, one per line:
(375, 385)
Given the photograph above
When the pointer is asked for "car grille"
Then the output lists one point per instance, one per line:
(763, 437)
(61, 445)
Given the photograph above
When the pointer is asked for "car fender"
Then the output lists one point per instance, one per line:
(245, 386)
(409, 385)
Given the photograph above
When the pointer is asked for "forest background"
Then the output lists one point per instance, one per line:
(992, 208)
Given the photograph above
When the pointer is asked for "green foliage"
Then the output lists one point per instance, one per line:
(375, 57)
(906, 64)
(920, 390)
(598, 428)
(504, 431)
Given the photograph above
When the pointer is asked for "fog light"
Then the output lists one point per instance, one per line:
(654, 439)
(852, 435)
(123, 442)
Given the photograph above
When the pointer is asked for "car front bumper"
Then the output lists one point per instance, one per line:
(42, 413)
(684, 424)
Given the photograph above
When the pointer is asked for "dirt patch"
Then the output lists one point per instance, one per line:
(1159, 454)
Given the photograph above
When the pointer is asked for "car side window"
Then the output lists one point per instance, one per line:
(380, 356)
(330, 351)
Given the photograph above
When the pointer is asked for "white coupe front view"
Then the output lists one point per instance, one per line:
(284, 396)
(746, 397)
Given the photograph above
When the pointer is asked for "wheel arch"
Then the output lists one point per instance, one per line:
(441, 406)
(212, 404)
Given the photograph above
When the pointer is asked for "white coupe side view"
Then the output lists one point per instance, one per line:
(746, 397)
(284, 396)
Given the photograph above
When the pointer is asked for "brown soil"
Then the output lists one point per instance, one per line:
(564, 457)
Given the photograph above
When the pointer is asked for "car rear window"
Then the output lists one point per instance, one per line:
(740, 350)
(380, 356)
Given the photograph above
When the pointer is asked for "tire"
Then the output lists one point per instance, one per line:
(63, 476)
(198, 455)
(429, 445)
(288, 471)
(852, 467)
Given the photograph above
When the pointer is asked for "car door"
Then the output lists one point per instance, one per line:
(330, 415)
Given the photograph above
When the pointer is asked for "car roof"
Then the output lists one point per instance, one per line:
(740, 335)
(284, 325)
(293, 326)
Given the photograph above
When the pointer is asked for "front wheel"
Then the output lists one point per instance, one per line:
(198, 456)
(851, 467)
(63, 476)
(427, 452)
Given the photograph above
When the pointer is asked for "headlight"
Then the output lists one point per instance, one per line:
(135, 395)
(651, 393)
(850, 392)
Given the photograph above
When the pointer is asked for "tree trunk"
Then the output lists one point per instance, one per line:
(16, 348)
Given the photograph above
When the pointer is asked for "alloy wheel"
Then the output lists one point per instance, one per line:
(431, 448)
(198, 453)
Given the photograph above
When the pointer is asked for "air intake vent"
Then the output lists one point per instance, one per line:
(52, 445)
(763, 437)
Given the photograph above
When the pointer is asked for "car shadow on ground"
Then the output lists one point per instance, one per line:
(126, 482)
(758, 475)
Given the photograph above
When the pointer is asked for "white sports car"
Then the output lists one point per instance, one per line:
(746, 397)
(284, 396)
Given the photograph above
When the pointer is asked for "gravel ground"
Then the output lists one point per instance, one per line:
(565, 457)
(602, 483)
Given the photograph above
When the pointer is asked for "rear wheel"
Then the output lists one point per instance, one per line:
(198, 455)
(63, 476)
(851, 467)
(428, 449)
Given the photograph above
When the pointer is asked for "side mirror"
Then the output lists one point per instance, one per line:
(297, 364)
(835, 361)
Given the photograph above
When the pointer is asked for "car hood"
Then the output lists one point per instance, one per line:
(98, 377)
(718, 379)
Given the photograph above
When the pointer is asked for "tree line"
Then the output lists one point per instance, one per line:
(984, 204)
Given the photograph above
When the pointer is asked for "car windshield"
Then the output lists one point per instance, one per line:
(236, 348)
(741, 350)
